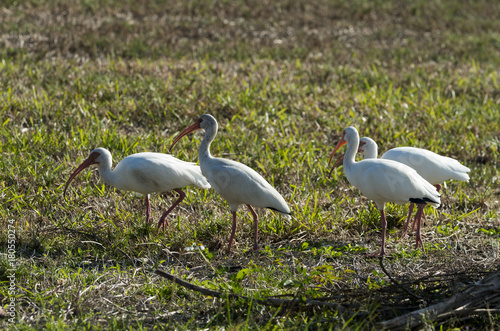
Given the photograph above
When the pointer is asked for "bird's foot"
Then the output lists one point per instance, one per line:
(162, 221)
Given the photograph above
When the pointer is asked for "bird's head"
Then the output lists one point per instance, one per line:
(347, 135)
(205, 122)
(368, 148)
(367, 145)
(362, 144)
(96, 156)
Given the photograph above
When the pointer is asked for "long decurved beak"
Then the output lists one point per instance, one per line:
(186, 131)
(340, 144)
(336, 164)
(87, 163)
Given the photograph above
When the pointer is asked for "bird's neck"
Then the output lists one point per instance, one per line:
(350, 154)
(371, 152)
(204, 150)
(106, 173)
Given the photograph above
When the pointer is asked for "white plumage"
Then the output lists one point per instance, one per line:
(389, 181)
(145, 173)
(237, 183)
(435, 168)
(385, 181)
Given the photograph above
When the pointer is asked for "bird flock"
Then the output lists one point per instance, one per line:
(402, 175)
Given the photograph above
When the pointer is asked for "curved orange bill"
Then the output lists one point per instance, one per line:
(340, 144)
(186, 131)
(87, 163)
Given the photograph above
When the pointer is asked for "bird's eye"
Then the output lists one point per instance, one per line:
(201, 120)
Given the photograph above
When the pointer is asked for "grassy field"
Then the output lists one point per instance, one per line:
(283, 78)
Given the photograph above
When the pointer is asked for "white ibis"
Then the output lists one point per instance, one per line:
(145, 173)
(385, 181)
(435, 168)
(235, 182)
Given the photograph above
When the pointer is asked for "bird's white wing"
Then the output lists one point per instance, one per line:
(239, 184)
(433, 167)
(390, 181)
(157, 172)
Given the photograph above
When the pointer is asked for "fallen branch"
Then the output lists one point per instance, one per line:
(480, 298)
(274, 302)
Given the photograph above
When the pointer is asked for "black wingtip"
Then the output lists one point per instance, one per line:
(279, 211)
(422, 201)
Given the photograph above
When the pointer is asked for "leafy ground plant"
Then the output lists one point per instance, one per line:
(283, 78)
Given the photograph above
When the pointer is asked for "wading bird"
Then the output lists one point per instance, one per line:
(145, 173)
(385, 181)
(235, 182)
(434, 168)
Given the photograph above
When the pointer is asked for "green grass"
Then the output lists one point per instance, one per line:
(283, 79)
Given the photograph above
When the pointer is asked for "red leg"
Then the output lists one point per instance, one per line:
(384, 230)
(438, 188)
(410, 212)
(233, 231)
(420, 211)
(148, 208)
(163, 218)
(255, 227)
(415, 221)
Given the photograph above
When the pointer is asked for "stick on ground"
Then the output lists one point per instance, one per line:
(274, 302)
(483, 297)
